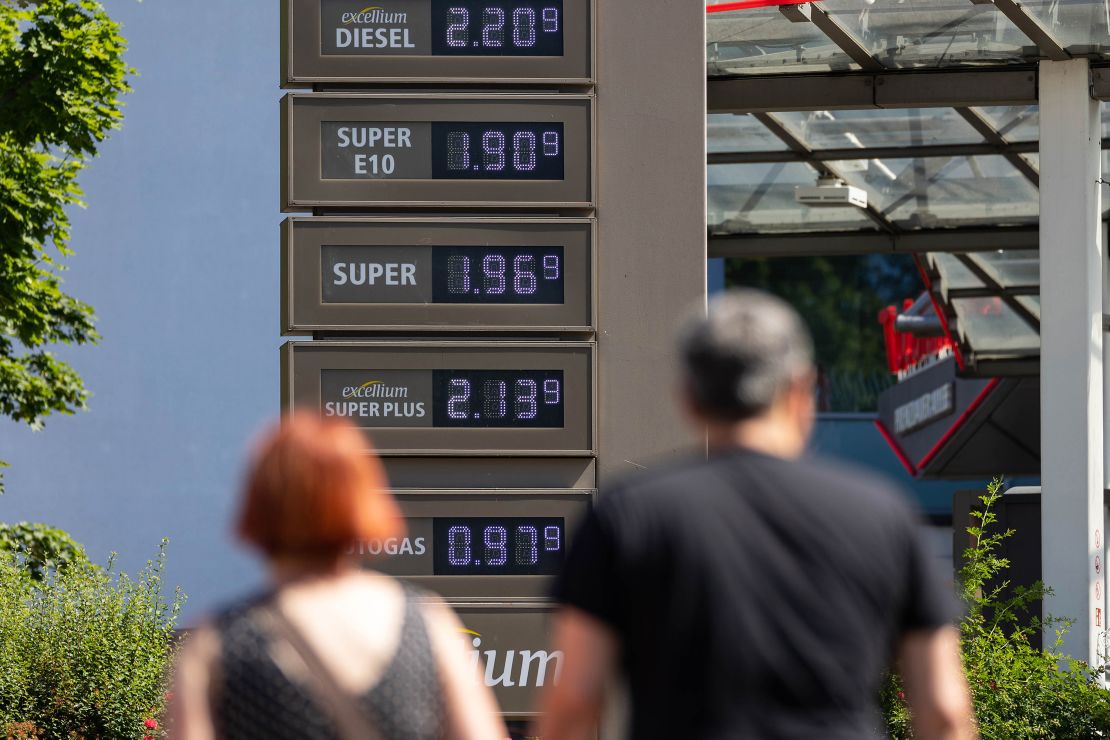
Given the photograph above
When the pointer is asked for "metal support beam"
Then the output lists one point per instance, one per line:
(836, 32)
(995, 288)
(1031, 26)
(985, 129)
(798, 146)
(870, 242)
(859, 90)
(886, 152)
(1072, 433)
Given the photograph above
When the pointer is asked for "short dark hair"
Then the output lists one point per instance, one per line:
(745, 350)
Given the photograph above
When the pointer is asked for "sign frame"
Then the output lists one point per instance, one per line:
(571, 504)
(304, 188)
(303, 310)
(303, 63)
(303, 361)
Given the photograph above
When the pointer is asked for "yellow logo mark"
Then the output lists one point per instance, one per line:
(465, 631)
(369, 383)
(367, 9)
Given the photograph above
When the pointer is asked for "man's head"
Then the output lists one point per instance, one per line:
(747, 363)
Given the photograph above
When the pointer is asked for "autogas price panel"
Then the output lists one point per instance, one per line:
(480, 544)
(513, 150)
(437, 40)
(447, 274)
(450, 398)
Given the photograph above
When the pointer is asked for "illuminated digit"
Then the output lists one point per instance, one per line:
(496, 404)
(458, 398)
(550, 20)
(551, 539)
(525, 405)
(524, 151)
(551, 143)
(493, 146)
(524, 28)
(493, 274)
(493, 27)
(551, 392)
(458, 275)
(524, 274)
(458, 26)
(458, 545)
(458, 150)
(497, 545)
(527, 545)
(551, 267)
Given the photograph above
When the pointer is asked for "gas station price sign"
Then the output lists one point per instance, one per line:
(481, 543)
(450, 397)
(436, 40)
(372, 151)
(448, 274)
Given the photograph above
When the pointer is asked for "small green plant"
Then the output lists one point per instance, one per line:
(40, 549)
(1018, 690)
(84, 651)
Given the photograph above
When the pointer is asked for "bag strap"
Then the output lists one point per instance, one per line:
(351, 720)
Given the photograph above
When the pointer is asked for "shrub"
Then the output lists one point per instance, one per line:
(84, 651)
(1018, 690)
(39, 549)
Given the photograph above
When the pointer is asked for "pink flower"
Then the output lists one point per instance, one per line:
(902, 695)
(147, 737)
(150, 724)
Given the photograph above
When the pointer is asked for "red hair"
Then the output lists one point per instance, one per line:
(313, 489)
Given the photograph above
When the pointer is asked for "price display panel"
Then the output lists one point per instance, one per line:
(344, 41)
(459, 149)
(450, 398)
(446, 274)
(481, 543)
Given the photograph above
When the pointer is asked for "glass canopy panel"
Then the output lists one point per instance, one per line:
(990, 326)
(1016, 123)
(1010, 268)
(933, 33)
(954, 275)
(759, 198)
(1081, 26)
(1032, 303)
(847, 129)
(761, 40)
(932, 192)
(726, 132)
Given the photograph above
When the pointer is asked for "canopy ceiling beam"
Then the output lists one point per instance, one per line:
(836, 32)
(884, 152)
(1031, 26)
(862, 90)
(828, 243)
(1007, 297)
(984, 128)
(797, 146)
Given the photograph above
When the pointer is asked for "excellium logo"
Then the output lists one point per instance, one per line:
(375, 389)
(374, 14)
(540, 659)
(353, 403)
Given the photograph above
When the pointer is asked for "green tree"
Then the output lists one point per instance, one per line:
(62, 75)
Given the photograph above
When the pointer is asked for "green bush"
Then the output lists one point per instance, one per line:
(1019, 690)
(39, 549)
(84, 651)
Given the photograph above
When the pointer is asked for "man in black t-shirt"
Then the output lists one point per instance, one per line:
(755, 594)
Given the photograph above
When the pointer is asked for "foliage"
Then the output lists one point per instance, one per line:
(39, 549)
(1018, 689)
(840, 299)
(85, 652)
(61, 77)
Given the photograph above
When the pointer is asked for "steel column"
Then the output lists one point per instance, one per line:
(1072, 274)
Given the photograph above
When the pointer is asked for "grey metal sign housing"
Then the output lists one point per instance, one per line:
(346, 42)
(442, 274)
(450, 398)
(373, 151)
(481, 543)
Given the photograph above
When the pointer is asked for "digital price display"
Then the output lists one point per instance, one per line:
(375, 150)
(497, 546)
(480, 542)
(436, 40)
(445, 273)
(439, 396)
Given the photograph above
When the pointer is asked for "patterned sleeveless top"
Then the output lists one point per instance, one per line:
(257, 700)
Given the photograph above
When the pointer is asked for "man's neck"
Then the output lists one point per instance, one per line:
(766, 434)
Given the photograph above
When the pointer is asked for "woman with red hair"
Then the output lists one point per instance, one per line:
(332, 650)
